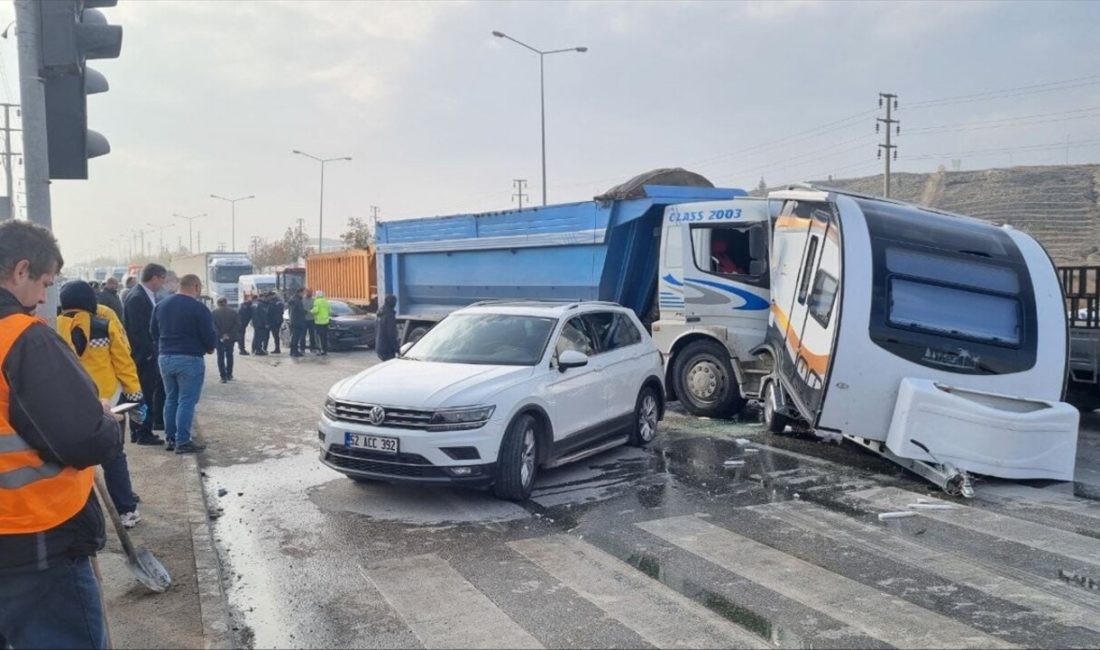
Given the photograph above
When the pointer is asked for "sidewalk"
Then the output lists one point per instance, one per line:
(175, 528)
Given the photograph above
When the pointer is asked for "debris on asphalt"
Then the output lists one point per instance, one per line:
(732, 463)
(896, 515)
(222, 492)
(742, 441)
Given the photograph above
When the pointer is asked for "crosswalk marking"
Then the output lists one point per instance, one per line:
(1030, 497)
(1042, 595)
(1039, 536)
(442, 608)
(895, 621)
(655, 612)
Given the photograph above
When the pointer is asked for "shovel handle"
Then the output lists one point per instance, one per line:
(109, 506)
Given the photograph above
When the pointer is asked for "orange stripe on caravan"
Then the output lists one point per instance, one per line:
(819, 363)
(791, 223)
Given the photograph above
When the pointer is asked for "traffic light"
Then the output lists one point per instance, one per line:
(73, 31)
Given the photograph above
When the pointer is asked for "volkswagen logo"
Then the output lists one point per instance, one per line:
(376, 415)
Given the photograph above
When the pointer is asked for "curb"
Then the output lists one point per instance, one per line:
(213, 604)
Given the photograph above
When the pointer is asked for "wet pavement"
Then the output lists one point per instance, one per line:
(664, 547)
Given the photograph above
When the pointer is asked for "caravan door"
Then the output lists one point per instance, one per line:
(807, 266)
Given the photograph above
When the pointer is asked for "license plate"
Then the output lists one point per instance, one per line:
(371, 443)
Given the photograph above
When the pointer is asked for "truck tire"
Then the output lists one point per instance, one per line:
(416, 334)
(647, 410)
(774, 421)
(517, 463)
(704, 380)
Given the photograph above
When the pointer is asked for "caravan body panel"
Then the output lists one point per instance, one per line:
(930, 297)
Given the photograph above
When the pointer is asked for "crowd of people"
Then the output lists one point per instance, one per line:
(143, 343)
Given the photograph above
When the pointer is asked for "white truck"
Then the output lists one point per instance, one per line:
(219, 273)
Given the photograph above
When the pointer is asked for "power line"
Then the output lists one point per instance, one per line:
(1053, 86)
(1021, 120)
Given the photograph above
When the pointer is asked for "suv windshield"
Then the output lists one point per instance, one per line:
(491, 339)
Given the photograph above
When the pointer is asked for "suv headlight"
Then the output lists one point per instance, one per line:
(330, 407)
(459, 419)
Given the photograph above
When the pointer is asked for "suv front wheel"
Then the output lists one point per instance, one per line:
(647, 410)
(517, 464)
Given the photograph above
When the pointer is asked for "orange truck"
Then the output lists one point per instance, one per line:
(347, 275)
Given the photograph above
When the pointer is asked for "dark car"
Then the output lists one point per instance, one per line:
(347, 328)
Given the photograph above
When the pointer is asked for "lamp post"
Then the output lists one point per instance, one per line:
(190, 231)
(233, 214)
(542, 92)
(161, 227)
(321, 208)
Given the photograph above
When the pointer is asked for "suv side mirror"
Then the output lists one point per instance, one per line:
(571, 359)
(405, 348)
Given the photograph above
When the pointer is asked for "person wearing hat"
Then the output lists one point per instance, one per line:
(97, 336)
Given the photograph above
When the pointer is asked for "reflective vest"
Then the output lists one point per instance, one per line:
(34, 495)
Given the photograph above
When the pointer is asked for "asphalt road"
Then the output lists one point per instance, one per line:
(660, 547)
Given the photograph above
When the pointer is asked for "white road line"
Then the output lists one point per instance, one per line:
(1039, 536)
(1023, 495)
(1046, 596)
(442, 608)
(655, 612)
(877, 614)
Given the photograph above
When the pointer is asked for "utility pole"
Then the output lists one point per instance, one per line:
(198, 242)
(9, 212)
(519, 184)
(891, 102)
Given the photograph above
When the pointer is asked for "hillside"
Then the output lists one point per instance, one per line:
(1058, 205)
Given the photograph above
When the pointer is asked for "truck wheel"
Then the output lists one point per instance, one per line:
(704, 380)
(416, 334)
(774, 421)
(517, 464)
(647, 411)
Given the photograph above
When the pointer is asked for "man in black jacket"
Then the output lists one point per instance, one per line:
(275, 309)
(245, 313)
(139, 313)
(108, 296)
(297, 324)
(53, 431)
(259, 326)
(385, 337)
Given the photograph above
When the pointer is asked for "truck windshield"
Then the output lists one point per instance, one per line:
(230, 273)
(490, 339)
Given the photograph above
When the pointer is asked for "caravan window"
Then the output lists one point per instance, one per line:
(954, 311)
(807, 270)
(823, 297)
(729, 251)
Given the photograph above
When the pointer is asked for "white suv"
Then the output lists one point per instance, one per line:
(494, 392)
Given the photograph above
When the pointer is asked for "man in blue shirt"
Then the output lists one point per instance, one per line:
(184, 330)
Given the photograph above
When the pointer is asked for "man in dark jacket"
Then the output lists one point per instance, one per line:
(139, 313)
(297, 324)
(53, 431)
(385, 337)
(227, 322)
(108, 296)
(259, 326)
(275, 309)
(184, 331)
(245, 313)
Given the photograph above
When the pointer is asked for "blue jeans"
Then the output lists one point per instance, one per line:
(60, 607)
(183, 376)
(116, 474)
(225, 358)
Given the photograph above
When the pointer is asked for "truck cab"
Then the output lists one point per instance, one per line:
(223, 274)
(713, 299)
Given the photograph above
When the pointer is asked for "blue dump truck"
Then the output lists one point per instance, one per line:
(650, 244)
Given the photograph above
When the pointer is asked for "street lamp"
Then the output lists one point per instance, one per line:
(321, 209)
(233, 212)
(542, 92)
(190, 240)
(161, 227)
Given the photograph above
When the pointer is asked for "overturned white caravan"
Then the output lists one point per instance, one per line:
(936, 340)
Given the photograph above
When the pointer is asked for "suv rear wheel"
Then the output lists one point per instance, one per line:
(517, 464)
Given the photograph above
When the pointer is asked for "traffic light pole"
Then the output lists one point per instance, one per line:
(36, 166)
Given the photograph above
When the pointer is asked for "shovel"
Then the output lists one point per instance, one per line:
(144, 565)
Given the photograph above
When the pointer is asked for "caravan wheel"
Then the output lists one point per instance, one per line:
(773, 420)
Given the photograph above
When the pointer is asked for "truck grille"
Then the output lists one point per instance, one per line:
(397, 418)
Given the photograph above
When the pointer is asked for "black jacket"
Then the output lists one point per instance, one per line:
(259, 315)
(385, 333)
(297, 312)
(139, 314)
(245, 311)
(111, 299)
(43, 374)
(275, 314)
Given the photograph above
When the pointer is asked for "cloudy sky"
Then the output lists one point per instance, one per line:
(439, 116)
